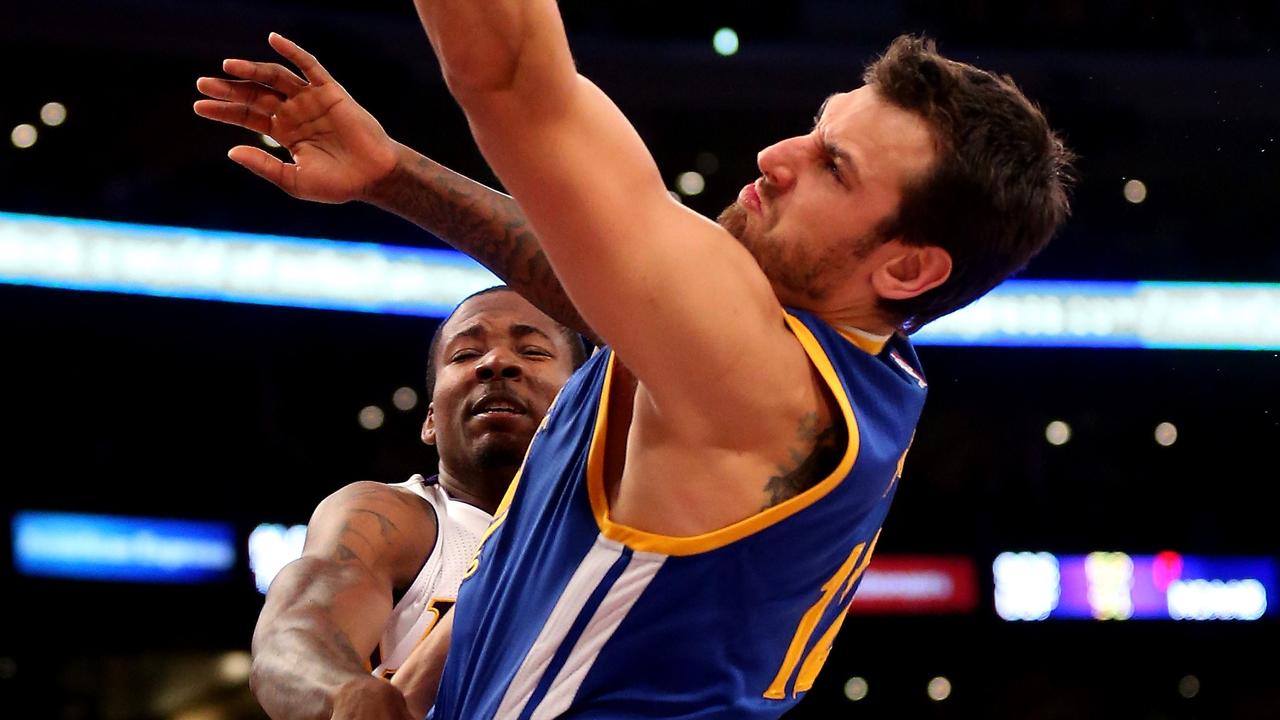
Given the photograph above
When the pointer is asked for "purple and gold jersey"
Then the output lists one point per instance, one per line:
(570, 614)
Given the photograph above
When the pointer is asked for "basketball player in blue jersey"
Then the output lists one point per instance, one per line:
(382, 563)
(698, 508)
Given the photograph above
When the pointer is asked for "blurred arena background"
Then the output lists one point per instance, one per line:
(1097, 457)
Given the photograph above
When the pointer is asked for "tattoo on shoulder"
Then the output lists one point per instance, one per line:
(817, 451)
(344, 554)
(385, 526)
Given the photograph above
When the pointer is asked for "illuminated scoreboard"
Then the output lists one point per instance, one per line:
(1118, 586)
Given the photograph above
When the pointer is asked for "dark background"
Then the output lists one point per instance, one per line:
(142, 406)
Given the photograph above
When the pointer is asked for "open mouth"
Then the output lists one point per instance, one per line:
(498, 406)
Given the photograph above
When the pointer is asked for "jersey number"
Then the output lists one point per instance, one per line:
(846, 577)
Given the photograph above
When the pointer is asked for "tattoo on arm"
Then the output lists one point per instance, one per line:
(343, 644)
(825, 447)
(343, 554)
(484, 224)
(385, 526)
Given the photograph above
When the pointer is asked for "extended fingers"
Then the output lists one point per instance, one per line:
(231, 113)
(261, 98)
(303, 60)
(273, 75)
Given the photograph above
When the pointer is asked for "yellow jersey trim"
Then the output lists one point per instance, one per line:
(644, 541)
(869, 343)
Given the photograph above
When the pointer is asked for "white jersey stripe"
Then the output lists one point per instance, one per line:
(586, 578)
(608, 616)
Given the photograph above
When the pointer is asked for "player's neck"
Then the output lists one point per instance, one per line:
(481, 488)
(866, 320)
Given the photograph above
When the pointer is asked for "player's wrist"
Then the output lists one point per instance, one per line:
(358, 688)
(390, 176)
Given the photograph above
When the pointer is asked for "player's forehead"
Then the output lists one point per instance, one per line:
(501, 312)
(882, 138)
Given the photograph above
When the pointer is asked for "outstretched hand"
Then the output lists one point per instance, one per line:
(339, 150)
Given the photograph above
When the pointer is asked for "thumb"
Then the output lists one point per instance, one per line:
(264, 165)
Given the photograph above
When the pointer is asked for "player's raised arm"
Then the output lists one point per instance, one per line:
(684, 305)
(325, 611)
(341, 153)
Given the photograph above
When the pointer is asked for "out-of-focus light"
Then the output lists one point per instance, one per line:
(1189, 686)
(271, 547)
(1110, 578)
(162, 261)
(1244, 599)
(725, 41)
(53, 114)
(1135, 191)
(404, 399)
(8, 668)
(233, 667)
(269, 141)
(939, 689)
(675, 196)
(80, 546)
(1057, 433)
(1142, 314)
(204, 712)
(372, 417)
(1166, 567)
(707, 163)
(855, 688)
(1028, 585)
(23, 136)
(691, 183)
(1166, 434)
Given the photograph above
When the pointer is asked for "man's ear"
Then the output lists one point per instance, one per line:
(911, 270)
(429, 427)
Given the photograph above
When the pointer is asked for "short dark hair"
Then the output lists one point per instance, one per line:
(999, 188)
(577, 346)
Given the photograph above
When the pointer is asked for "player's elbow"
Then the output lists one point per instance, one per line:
(471, 74)
(261, 680)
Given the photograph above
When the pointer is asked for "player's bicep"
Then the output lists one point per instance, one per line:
(384, 530)
(678, 298)
(363, 542)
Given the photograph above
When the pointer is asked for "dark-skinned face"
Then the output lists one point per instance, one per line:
(499, 365)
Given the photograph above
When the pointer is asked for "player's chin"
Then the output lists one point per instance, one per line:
(498, 449)
(502, 428)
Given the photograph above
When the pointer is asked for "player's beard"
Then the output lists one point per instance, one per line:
(798, 275)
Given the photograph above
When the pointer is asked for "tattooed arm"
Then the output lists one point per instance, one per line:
(341, 153)
(325, 612)
(480, 222)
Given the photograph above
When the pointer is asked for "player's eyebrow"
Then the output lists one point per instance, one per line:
(821, 109)
(842, 158)
(520, 330)
(472, 331)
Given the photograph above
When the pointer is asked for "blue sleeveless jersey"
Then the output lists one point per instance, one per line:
(569, 614)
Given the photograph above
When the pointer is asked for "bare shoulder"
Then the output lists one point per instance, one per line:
(389, 529)
(697, 472)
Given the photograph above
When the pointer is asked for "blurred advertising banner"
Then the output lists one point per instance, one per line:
(917, 584)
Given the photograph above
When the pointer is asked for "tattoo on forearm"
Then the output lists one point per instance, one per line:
(824, 445)
(491, 228)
